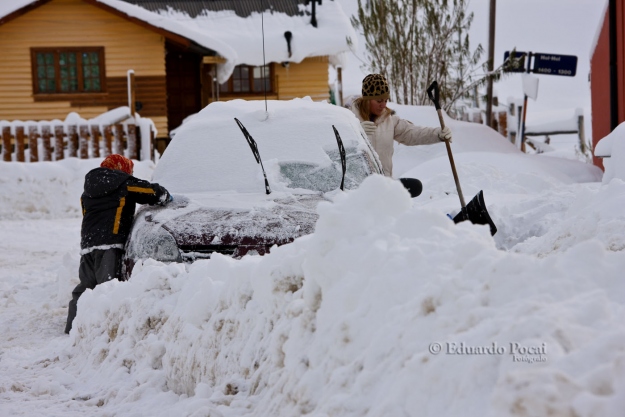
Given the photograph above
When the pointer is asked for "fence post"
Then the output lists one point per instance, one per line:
(72, 141)
(132, 141)
(6, 144)
(83, 142)
(108, 139)
(581, 133)
(503, 123)
(117, 139)
(59, 152)
(45, 139)
(95, 141)
(152, 157)
(19, 143)
(138, 136)
(32, 143)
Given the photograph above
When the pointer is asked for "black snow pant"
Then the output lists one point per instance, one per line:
(96, 267)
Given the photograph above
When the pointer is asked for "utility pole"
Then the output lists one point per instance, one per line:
(491, 59)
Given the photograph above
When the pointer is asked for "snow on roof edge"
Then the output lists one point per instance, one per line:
(602, 20)
(171, 25)
(237, 39)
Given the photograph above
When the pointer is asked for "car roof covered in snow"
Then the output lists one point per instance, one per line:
(210, 152)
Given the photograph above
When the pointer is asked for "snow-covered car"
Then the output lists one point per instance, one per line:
(245, 178)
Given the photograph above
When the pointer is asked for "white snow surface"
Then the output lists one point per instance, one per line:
(347, 321)
(612, 149)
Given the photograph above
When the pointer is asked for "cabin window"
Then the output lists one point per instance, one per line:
(68, 70)
(246, 79)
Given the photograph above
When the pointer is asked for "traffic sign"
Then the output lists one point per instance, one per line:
(552, 64)
(517, 64)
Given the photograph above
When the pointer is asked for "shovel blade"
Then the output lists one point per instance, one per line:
(476, 213)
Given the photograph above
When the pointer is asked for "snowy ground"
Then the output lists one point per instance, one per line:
(387, 309)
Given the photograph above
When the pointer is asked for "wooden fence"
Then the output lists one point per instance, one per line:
(56, 141)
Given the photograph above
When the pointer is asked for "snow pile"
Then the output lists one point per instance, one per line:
(49, 190)
(586, 214)
(612, 149)
(497, 151)
(385, 310)
(547, 123)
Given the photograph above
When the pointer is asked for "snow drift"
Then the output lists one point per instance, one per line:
(347, 322)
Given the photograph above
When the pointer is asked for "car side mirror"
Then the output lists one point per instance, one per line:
(413, 185)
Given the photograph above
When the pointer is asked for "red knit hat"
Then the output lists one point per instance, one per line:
(118, 162)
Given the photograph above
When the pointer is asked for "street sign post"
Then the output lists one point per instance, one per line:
(547, 64)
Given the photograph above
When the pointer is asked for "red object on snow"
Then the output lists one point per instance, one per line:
(118, 162)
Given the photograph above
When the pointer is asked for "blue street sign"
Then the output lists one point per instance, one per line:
(552, 64)
(518, 65)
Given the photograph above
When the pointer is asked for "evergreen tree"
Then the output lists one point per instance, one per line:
(414, 42)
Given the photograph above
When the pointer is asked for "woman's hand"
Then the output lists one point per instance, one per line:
(444, 134)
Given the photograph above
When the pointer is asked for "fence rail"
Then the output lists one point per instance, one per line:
(53, 142)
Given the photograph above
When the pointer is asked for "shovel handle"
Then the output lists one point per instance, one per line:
(453, 170)
(434, 94)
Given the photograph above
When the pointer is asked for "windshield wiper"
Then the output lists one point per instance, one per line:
(339, 142)
(254, 146)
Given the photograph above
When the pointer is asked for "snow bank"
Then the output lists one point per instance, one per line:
(496, 152)
(49, 190)
(612, 149)
(385, 310)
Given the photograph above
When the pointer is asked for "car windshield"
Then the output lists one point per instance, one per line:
(327, 177)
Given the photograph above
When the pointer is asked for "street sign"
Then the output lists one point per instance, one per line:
(552, 64)
(517, 64)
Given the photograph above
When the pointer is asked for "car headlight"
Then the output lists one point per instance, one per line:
(153, 242)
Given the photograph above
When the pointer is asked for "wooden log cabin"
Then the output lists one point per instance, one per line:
(62, 56)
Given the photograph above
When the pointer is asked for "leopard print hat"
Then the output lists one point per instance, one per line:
(375, 87)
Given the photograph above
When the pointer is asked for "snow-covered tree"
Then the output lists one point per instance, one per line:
(414, 42)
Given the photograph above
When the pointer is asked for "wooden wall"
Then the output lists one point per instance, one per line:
(308, 78)
(76, 23)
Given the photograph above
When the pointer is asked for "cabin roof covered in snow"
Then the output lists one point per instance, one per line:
(239, 31)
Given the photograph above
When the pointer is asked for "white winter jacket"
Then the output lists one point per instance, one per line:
(391, 127)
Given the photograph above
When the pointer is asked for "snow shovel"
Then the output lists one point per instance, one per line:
(475, 211)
